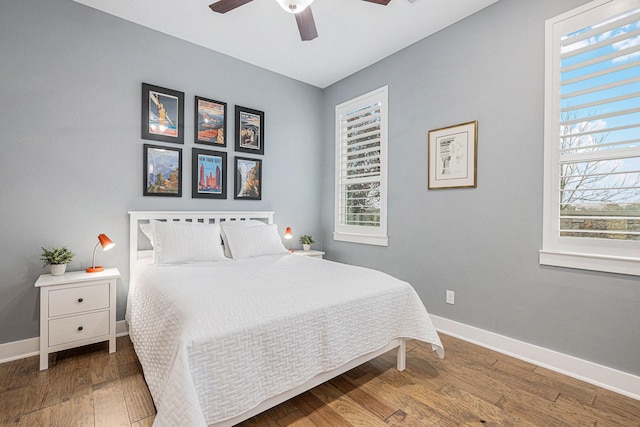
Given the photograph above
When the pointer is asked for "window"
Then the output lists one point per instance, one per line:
(592, 138)
(361, 169)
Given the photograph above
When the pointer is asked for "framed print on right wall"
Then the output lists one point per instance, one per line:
(453, 153)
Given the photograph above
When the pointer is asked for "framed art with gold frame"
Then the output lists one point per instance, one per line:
(453, 156)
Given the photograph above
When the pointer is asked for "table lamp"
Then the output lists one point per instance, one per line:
(106, 244)
(288, 236)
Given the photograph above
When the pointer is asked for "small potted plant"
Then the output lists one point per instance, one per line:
(57, 258)
(307, 241)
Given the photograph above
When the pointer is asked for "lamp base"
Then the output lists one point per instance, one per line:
(96, 269)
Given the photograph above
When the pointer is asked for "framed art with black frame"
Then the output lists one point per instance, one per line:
(162, 114)
(248, 181)
(249, 130)
(208, 174)
(210, 122)
(162, 171)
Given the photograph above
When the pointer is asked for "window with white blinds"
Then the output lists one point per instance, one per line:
(592, 138)
(361, 169)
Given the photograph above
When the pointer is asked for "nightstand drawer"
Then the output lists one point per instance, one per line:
(76, 328)
(78, 299)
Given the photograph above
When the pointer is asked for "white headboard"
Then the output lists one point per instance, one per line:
(207, 217)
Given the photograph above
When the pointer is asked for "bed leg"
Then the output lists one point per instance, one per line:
(402, 355)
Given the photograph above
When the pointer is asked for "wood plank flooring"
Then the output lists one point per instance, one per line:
(473, 386)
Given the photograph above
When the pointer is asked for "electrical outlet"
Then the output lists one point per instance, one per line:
(451, 297)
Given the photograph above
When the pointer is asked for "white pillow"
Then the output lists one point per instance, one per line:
(226, 224)
(147, 230)
(249, 242)
(185, 242)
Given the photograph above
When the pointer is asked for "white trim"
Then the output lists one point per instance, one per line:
(19, 349)
(353, 233)
(122, 328)
(611, 264)
(361, 238)
(593, 373)
(31, 346)
(608, 255)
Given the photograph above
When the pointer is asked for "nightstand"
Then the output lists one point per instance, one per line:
(76, 309)
(311, 253)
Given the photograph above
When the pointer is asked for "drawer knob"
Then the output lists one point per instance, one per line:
(80, 299)
(80, 328)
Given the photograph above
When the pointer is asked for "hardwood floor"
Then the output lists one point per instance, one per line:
(471, 386)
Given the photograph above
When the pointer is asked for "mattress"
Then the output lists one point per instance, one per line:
(217, 339)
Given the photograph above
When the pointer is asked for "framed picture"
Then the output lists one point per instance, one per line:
(249, 130)
(211, 122)
(248, 182)
(453, 156)
(162, 114)
(162, 171)
(208, 174)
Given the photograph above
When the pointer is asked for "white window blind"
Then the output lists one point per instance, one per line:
(592, 138)
(361, 150)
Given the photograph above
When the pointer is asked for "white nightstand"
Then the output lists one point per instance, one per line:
(76, 309)
(311, 253)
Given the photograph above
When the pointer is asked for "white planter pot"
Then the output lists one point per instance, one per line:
(306, 247)
(58, 269)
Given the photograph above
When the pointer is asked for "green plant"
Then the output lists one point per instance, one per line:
(56, 256)
(307, 239)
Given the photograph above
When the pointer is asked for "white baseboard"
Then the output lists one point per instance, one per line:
(122, 328)
(19, 349)
(602, 376)
(31, 347)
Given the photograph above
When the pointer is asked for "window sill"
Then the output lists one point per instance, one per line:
(609, 264)
(359, 238)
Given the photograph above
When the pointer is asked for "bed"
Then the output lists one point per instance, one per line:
(222, 338)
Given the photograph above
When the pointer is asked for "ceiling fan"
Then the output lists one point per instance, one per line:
(300, 8)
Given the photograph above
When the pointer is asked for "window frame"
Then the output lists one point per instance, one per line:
(361, 234)
(615, 256)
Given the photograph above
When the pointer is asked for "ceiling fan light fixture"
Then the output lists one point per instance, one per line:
(294, 6)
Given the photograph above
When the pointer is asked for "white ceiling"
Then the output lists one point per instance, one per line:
(353, 34)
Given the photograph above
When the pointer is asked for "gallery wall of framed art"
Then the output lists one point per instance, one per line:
(163, 121)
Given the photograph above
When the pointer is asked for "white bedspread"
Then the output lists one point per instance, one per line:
(217, 339)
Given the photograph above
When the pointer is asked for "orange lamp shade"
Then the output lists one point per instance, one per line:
(106, 244)
(287, 233)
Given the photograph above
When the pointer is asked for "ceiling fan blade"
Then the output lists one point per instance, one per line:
(306, 25)
(382, 2)
(224, 6)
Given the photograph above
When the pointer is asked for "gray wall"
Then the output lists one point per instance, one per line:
(483, 243)
(71, 152)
